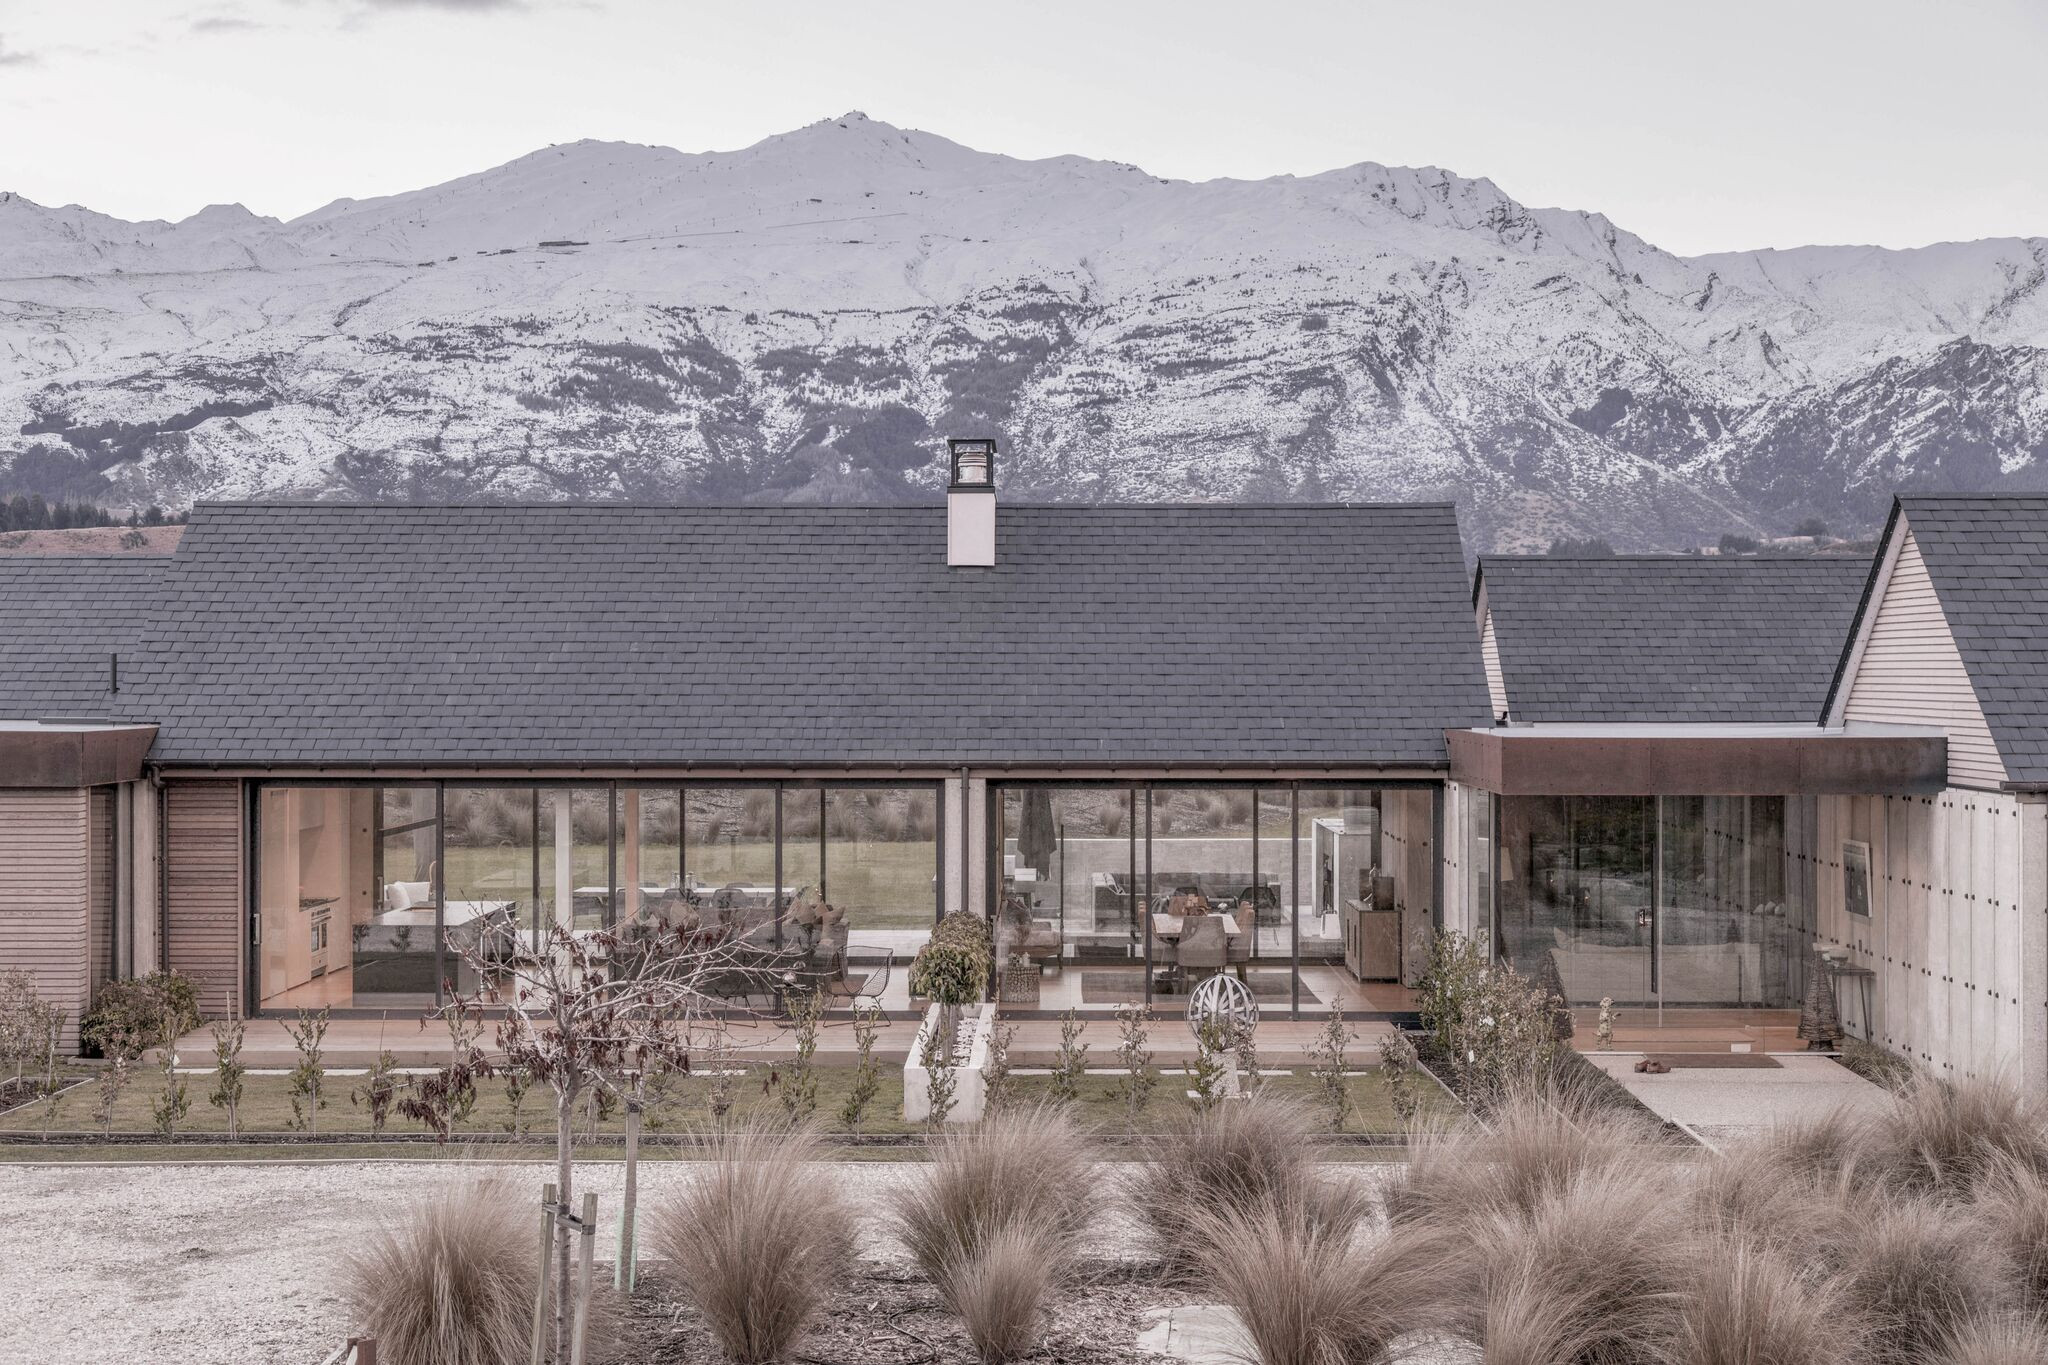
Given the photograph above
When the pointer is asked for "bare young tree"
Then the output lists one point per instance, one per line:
(583, 1013)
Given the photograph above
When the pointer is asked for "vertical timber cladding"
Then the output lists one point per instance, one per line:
(1948, 935)
(203, 892)
(45, 896)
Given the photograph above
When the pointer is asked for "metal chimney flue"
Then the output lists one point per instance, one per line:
(971, 504)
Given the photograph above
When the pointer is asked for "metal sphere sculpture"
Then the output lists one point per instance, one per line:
(1223, 999)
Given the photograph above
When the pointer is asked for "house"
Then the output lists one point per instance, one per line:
(320, 753)
(1148, 742)
(1706, 773)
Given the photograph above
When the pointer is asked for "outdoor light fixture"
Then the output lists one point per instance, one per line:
(974, 463)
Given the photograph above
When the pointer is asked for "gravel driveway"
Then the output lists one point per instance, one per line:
(240, 1263)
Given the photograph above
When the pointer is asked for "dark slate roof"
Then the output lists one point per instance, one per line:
(61, 616)
(1988, 556)
(1215, 634)
(1673, 638)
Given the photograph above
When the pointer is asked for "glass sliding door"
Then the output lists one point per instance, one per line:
(1577, 892)
(348, 890)
(881, 874)
(1068, 921)
(1207, 891)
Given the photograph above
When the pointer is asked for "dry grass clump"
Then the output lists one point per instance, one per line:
(1589, 1272)
(1001, 1287)
(997, 1222)
(1307, 1291)
(1750, 1304)
(1539, 1142)
(1261, 1150)
(1026, 1165)
(2011, 1206)
(1915, 1274)
(2007, 1340)
(452, 1282)
(758, 1238)
(1943, 1137)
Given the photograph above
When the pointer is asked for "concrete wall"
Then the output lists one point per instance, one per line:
(45, 896)
(1959, 899)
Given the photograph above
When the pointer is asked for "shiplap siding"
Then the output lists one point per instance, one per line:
(203, 902)
(1489, 653)
(1911, 673)
(45, 891)
(1956, 931)
(100, 888)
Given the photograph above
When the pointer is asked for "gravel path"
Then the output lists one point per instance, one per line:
(237, 1264)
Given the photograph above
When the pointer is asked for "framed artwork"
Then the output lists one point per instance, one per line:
(1856, 877)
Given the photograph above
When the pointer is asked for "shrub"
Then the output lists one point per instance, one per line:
(1134, 1054)
(451, 1281)
(952, 969)
(1072, 1062)
(1492, 1026)
(131, 1017)
(758, 1237)
(1235, 1156)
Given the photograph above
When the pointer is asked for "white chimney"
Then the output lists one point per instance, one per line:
(971, 505)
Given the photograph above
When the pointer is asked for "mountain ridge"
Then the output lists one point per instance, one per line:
(808, 317)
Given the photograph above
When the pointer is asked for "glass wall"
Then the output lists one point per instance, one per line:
(1676, 900)
(356, 909)
(348, 893)
(1113, 894)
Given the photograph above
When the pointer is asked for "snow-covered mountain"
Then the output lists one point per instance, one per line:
(809, 317)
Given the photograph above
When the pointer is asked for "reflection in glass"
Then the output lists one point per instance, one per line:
(1576, 885)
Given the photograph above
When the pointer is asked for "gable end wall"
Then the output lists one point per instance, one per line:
(1911, 673)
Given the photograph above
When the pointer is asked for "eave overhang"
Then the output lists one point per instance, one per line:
(1700, 760)
(67, 753)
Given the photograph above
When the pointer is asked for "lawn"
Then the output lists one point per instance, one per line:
(881, 885)
(266, 1108)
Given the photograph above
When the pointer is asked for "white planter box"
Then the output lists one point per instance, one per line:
(970, 1085)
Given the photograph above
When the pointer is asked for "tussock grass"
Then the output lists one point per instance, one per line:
(1944, 1137)
(2007, 1340)
(1750, 1304)
(1915, 1274)
(758, 1238)
(1588, 1272)
(1001, 1287)
(1535, 1143)
(2011, 1206)
(997, 1222)
(1024, 1166)
(1309, 1291)
(452, 1281)
(1236, 1156)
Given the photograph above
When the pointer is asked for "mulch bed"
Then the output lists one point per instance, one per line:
(1572, 1069)
(890, 1315)
(1718, 1061)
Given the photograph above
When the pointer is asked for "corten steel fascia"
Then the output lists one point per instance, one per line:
(1512, 764)
(64, 757)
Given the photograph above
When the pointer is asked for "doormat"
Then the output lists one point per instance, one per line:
(1114, 988)
(1718, 1061)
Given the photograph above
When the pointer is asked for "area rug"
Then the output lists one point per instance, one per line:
(1113, 988)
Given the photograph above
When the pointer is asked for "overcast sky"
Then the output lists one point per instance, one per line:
(1713, 125)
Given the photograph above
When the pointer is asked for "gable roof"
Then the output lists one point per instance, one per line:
(808, 635)
(61, 617)
(1987, 556)
(1683, 638)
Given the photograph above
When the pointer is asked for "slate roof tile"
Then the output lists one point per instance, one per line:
(61, 617)
(554, 633)
(1670, 638)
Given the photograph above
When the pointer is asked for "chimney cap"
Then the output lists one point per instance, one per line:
(974, 464)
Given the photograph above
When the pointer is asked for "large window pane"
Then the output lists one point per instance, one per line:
(649, 865)
(1728, 938)
(491, 845)
(1576, 886)
(1067, 921)
(1207, 890)
(881, 864)
(348, 892)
